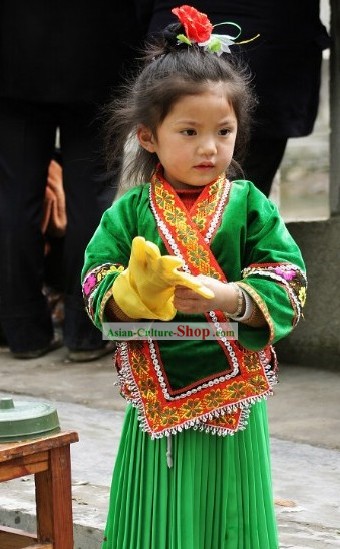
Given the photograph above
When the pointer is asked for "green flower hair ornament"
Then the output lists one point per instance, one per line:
(198, 30)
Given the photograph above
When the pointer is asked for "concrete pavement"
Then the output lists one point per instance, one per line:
(305, 442)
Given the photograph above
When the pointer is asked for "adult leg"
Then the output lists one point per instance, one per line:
(27, 136)
(263, 159)
(88, 194)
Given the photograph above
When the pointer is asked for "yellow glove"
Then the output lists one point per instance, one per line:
(146, 288)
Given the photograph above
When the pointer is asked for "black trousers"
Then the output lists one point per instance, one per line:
(27, 143)
(263, 159)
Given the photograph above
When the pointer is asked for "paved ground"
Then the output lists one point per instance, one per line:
(304, 423)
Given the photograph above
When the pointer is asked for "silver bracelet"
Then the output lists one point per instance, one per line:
(248, 310)
(239, 301)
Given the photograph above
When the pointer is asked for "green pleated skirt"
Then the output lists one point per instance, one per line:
(217, 495)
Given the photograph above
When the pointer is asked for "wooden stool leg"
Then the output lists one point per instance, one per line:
(54, 500)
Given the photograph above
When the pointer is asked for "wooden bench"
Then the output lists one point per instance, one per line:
(48, 459)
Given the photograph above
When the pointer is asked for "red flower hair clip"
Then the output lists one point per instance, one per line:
(197, 25)
(198, 29)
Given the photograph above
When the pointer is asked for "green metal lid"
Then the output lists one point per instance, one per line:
(24, 420)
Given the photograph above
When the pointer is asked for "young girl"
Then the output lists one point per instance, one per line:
(188, 244)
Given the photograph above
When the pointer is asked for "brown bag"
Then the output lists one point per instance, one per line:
(54, 220)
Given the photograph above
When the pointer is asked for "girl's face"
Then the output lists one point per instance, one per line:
(195, 142)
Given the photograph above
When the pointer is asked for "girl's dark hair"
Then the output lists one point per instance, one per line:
(170, 72)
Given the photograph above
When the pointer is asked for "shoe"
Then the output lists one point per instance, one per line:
(91, 354)
(56, 343)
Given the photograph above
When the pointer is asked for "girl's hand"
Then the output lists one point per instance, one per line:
(188, 301)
